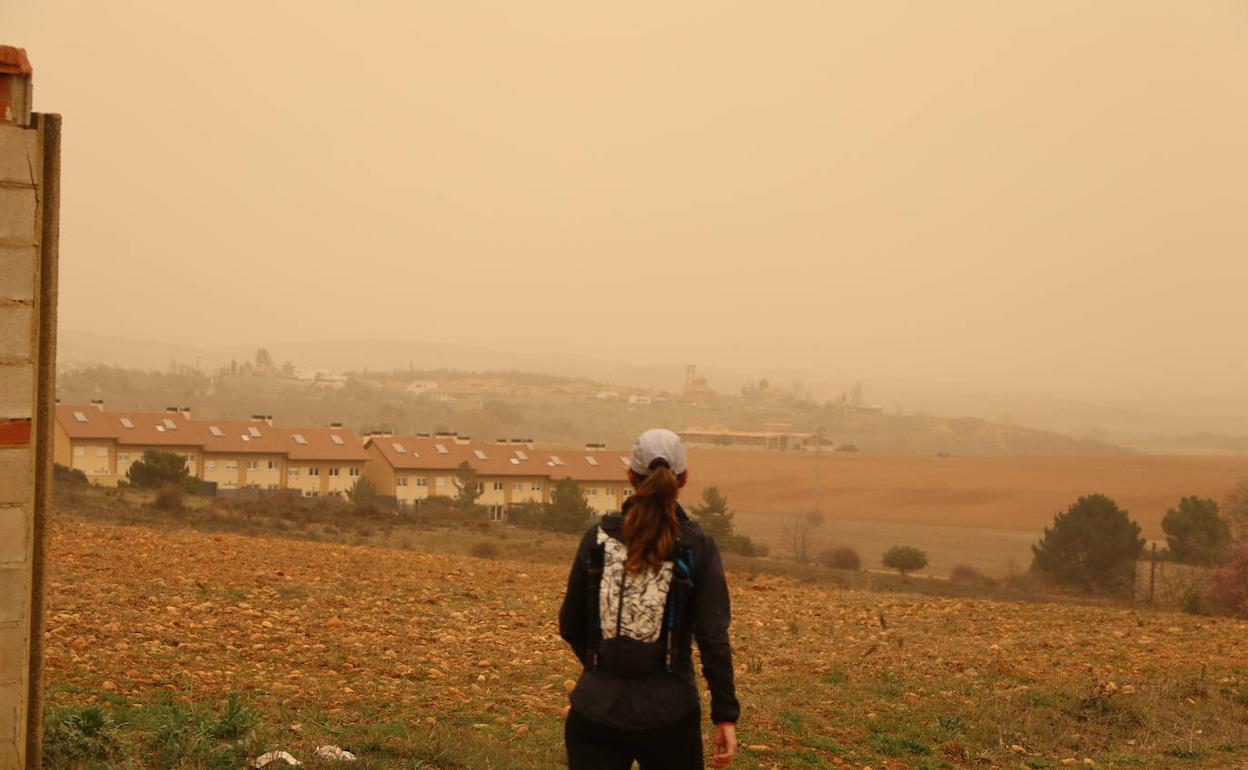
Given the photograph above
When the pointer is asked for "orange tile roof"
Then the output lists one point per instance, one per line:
(420, 453)
(129, 428)
(213, 436)
(241, 437)
(320, 444)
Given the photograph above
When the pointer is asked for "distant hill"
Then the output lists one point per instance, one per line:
(552, 410)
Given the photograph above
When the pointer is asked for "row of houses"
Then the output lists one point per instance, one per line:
(255, 454)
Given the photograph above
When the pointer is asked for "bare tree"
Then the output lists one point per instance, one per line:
(800, 536)
(1235, 509)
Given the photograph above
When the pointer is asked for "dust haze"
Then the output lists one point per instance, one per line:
(997, 205)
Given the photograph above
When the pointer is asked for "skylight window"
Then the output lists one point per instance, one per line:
(521, 455)
(554, 460)
(514, 461)
(480, 455)
(398, 447)
(244, 437)
(79, 416)
(592, 461)
(160, 429)
(441, 448)
(126, 422)
(254, 431)
(170, 424)
(299, 439)
(624, 461)
(214, 430)
(336, 439)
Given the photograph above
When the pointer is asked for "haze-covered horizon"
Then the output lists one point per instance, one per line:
(1016, 199)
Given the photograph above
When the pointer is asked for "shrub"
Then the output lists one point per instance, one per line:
(169, 498)
(905, 558)
(69, 477)
(1092, 546)
(840, 557)
(156, 469)
(970, 576)
(743, 545)
(484, 549)
(1195, 532)
(529, 514)
(1228, 584)
(79, 737)
(363, 491)
(1192, 603)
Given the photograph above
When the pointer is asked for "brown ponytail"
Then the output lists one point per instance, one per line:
(650, 525)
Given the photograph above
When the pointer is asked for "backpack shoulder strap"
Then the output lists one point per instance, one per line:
(678, 596)
(593, 581)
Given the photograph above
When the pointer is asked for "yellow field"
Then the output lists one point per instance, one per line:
(1014, 492)
(433, 661)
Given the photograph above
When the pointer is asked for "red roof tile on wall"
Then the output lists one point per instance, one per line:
(15, 432)
(13, 61)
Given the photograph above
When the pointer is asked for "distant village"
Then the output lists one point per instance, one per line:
(255, 454)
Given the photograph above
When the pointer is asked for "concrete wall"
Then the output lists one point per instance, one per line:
(29, 200)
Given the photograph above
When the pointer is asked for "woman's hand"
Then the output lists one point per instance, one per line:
(725, 745)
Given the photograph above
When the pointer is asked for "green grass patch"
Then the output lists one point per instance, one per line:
(898, 745)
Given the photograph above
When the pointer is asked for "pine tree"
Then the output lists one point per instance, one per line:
(1092, 546)
(469, 485)
(156, 468)
(568, 511)
(1195, 532)
(714, 515)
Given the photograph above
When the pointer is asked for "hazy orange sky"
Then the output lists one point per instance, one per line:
(1021, 193)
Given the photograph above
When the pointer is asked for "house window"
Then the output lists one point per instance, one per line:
(253, 464)
(188, 459)
(311, 493)
(292, 472)
(498, 486)
(231, 465)
(101, 451)
(517, 486)
(401, 481)
(353, 471)
(441, 482)
(210, 465)
(480, 487)
(314, 471)
(591, 491)
(80, 451)
(421, 481)
(537, 486)
(334, 471)
(273, 465)
(496, 513)
(123, 457)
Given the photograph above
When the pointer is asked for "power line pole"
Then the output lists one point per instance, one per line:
(819, 470)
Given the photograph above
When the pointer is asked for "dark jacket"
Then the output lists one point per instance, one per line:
(660, 697)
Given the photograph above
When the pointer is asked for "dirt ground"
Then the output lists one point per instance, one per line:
(435, 661)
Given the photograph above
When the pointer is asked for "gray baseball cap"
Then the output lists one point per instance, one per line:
(658, 444)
